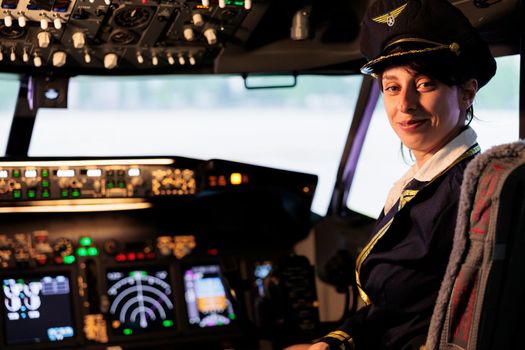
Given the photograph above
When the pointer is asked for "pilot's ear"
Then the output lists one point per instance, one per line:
(468, 91)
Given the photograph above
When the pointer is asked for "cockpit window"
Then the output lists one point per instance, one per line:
(301, 129)
(381, 164)
(9, 84)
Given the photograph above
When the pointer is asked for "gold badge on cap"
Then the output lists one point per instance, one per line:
(390, 17)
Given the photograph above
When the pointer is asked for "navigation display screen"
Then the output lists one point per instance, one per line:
(37, 309)
(140, 301)
(207, 302)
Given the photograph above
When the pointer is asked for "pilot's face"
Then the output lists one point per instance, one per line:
(425, 113)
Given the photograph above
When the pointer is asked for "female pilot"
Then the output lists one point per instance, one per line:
(429, 62)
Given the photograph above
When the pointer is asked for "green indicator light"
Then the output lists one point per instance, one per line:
(16, 173)
(231, 316)
(110, 185)
(167, 323)
(92, 251)
(82, 251)
(127, 331)
(21, 281)
(64, 193)
(121, 185)
(69, 259)
(75, 193)
(85, 241)
(45, 173)
(138, 273)
(31, 194)
(17, 194)
(44, 183)
(45, 193)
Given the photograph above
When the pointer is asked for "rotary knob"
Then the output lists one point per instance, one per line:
(110, 60)
(59, 58)
(44, 39)
(79, 40)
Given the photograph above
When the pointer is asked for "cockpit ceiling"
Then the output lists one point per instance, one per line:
(120, 37)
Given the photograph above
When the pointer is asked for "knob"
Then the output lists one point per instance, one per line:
(182, 61)
(171, 60)
(222, 4)
(154, 60)
(189, 34)
(44, 23)
(22, 21)
(110, 60)
(79, 40)
(206, 3)
(91, 1)
(87, 57)
(25, 56)
(59, 58)
(198, 20)
(107, 2)
(44, 39)
(248, 4)
(192, 60)
(8, 21)
(12, 56)
(140, 58)
(37, 61)
(211, 36)
(57, 23)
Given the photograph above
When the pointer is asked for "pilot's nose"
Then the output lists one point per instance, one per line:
(408, 100)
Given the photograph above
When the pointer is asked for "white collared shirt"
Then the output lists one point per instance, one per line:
(440, 161)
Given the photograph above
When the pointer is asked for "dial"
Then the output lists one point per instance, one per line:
(63, 247)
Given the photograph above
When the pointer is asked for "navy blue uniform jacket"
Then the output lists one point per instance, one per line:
(402, 271)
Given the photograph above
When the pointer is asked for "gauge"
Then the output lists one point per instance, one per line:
(140, 301)
(63, 247)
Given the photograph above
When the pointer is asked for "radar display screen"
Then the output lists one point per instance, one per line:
(140, 301)
(37, 309)
(207, 302)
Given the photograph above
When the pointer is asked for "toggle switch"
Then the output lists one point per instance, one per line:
(59, 58)
(110, 60)
(37, 61)
(44, 23)
(8, 20)
(79, 40)
(22, 21)
(44, 39)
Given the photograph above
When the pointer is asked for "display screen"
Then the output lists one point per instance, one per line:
(207, 302)
(140, 301)
(37, 309)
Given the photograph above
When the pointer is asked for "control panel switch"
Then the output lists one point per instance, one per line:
(211, 36)
(44, 23)
(22, 21)
(140, 58)
(222, 4)
(189, 34)
(87, 57)
(198, 20)
(248, 4)
(37, 61)
(57, 22)
(171, 60)
(8, 21)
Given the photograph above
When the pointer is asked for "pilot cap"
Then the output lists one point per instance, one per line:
(393, 30)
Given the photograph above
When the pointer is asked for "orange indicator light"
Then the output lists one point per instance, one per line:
(236, 178)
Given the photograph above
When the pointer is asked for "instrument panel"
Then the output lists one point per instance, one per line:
(181, 269)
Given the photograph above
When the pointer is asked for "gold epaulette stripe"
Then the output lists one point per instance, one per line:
(336, 336)
(344, 334)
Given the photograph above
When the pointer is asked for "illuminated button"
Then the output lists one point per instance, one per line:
(141, 256)
(64, 193)
(16, 173)
(167, 323)
(132, 172)
(120, 258)
(31, 193)
(94, 172)
(85, 241)
(69, 259)
(30, 173)
(122, 184)
(17, 194)
(65, 172)
(127, 331)
(75, 193)
(4, 174)
(44, 173)
(110, 185)
(92, 251)
(45, 193)
(236, 178)
(44, 183)
(248, 4)
(131, 256)
(82, 251)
